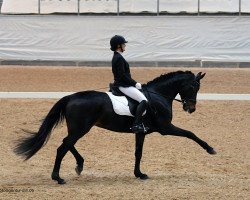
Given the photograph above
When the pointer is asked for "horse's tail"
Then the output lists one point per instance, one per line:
(28, 147)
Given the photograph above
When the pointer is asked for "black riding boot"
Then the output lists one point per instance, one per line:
(138, 126)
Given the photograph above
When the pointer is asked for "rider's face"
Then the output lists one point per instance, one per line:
(122, 47)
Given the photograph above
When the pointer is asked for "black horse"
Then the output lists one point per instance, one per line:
(84, 110)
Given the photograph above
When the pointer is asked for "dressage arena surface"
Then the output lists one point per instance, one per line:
(178, 168)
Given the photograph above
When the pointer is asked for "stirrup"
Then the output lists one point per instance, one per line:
(139, 128)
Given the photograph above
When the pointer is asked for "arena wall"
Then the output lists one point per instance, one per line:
(154, 41)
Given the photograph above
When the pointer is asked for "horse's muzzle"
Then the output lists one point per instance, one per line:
(189, 107)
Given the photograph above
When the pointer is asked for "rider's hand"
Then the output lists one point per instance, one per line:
(138, 86)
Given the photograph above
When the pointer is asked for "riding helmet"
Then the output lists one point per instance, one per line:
(116, 40)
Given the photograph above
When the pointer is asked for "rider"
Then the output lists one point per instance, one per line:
(123, 80)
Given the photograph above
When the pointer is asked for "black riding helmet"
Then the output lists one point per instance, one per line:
(117, 40)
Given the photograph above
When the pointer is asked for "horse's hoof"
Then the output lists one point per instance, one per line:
(142, 176)
(55, 176)
(211, 151)
(61, 181)
(78, 170)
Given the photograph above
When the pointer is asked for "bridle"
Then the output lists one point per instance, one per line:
(185, 100)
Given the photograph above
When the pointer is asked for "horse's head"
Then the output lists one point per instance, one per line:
(189, 92)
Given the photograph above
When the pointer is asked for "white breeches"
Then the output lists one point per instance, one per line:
(133, 93)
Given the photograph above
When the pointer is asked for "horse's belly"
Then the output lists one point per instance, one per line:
(116, 123)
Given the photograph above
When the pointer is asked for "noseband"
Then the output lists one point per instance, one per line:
(184, 101)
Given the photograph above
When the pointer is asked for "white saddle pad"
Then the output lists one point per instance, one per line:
(120, 104)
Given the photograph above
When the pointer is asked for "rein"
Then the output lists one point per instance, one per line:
(167, 97)
(183, 101)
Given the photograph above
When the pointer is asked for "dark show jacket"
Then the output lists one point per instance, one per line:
(121, 71)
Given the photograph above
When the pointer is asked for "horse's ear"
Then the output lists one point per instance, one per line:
(200, 76)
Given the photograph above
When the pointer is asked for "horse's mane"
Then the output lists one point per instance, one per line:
(172, 76)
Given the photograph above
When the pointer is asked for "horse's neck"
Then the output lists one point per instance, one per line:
(169, 90)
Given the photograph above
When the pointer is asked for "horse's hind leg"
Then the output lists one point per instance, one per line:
(67, 144)
(61, 152)
(79, 160)
(76, 129)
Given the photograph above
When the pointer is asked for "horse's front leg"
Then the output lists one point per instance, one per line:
(173, 130)
(139, 140)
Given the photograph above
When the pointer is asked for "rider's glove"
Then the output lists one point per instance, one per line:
(138, 86)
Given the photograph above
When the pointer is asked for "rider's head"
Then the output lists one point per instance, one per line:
(117, 43)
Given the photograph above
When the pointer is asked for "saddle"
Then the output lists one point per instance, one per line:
(122, 104)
